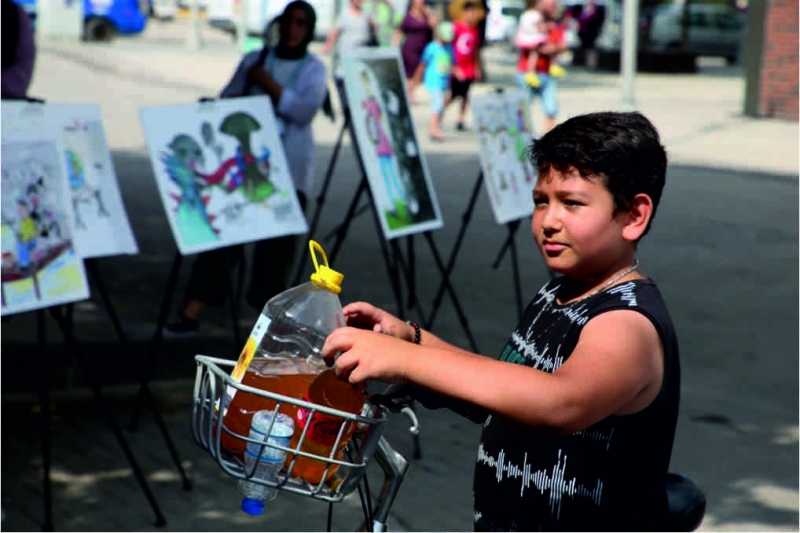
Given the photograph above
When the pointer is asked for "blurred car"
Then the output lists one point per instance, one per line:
(103, 19)
(714, 30)
(502, 20)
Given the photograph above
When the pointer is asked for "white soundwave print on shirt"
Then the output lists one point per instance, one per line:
(597, 436)
(541, 480)
(627, 293)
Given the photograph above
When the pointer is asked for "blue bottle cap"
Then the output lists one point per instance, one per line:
(252, 506)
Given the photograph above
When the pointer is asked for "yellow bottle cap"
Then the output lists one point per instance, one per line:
(324, 276)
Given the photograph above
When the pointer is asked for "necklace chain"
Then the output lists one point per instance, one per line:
(551, 298)
(604, 287)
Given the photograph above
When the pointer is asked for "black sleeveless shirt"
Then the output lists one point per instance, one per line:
(609, 476)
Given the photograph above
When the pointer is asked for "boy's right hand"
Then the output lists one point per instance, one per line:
(366, 316)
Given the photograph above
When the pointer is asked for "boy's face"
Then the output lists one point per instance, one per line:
(470, 16)
(575, 225)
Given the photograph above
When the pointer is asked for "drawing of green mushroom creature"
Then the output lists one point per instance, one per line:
(252, 171)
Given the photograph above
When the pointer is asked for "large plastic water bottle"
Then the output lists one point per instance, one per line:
(282, 354)
(266, 461)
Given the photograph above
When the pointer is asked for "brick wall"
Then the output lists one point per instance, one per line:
(779, 61)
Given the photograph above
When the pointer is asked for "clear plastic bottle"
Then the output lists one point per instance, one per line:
(266, 461)
(282, 354)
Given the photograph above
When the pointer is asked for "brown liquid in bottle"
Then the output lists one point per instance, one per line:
(330, 391)
(266, 375)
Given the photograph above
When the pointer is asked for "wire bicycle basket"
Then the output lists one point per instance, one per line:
(341, 476)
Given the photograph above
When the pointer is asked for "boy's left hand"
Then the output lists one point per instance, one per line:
(366, 355)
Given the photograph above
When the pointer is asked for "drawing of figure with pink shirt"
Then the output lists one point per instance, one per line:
(383, 148)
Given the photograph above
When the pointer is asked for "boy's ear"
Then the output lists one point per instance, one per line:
(637, 217)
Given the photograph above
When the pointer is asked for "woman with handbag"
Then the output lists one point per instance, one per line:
(295, 81)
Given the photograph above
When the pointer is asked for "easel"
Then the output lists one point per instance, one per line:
(66, 324)
(395, 262)
(509, 244)
(163, 315)
(234, 298)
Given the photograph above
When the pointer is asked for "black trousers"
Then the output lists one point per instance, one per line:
(271, 268)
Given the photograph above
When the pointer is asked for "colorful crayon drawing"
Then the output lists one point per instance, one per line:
(396, 170)
(40, 266)
(101, 222)
(222, 173)
(504, 138)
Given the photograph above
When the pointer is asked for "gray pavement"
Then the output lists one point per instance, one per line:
(723, 248)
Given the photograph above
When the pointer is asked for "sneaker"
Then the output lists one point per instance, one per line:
(532, 80)
(182, 327)
(557, 71)
(460, 127)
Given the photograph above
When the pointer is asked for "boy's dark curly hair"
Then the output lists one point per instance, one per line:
(622, 148)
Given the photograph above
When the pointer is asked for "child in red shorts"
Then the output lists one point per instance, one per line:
(467, 63)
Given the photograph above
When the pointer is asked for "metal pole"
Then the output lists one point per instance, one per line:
(241, 28)
(630, 30)
(193, 41)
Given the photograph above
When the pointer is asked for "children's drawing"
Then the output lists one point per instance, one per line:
(222, 173)
(101, 222)
(504, 137)
(40, 266)
(397, 173)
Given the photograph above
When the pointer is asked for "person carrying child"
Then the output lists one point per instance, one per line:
(466, 53)
(435, 69)
(579, 411)
(532, 31)
(540, 56)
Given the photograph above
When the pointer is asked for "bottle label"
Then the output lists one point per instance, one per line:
(249, 350)
(322, 428)
(269, 455)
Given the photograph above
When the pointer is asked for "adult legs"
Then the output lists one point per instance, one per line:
(272, 266)
(208, 285)
(549, 95)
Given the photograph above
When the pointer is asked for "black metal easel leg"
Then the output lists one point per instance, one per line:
(453, 296)
(451, 262)
(234, 300)
(322, 194)
(44, 405)
(406, 268)
(411, 274)
(158, 336)
(94, 272)
(511, 244)
(111, 420)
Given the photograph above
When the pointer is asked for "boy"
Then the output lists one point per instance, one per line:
(436, 66)
(583, 401)
(467, 65)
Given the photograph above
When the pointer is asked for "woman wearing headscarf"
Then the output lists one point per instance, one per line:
(295, 81)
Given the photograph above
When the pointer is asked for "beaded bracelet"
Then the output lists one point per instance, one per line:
(417, 331)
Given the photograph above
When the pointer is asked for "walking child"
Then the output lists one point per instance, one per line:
(435, 69)
(467, 64)
(580, 408)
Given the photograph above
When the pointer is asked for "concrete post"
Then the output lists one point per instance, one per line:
(630, 35)
(59, 19)
(193, 39)
(754, 48)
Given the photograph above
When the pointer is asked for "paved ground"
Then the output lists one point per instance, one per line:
(723, 248)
